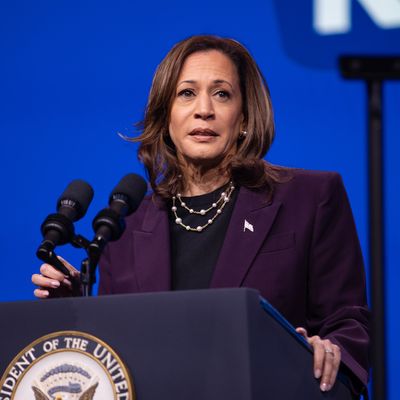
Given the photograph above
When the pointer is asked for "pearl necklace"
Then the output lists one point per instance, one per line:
(218, 205)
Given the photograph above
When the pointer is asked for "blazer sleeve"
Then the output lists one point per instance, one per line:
(337, 304)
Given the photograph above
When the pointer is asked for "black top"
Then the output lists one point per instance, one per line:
(195, 254)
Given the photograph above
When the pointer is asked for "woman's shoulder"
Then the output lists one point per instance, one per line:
(313, 184)
(300, 176)
(286, 174)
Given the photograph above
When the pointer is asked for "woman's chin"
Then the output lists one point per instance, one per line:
(203, 160)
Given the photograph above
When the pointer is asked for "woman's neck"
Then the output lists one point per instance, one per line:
(197, 183)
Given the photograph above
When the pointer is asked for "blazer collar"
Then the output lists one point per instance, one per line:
(151, 251)
(250, 223)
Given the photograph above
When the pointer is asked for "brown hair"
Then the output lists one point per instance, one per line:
(158, 153)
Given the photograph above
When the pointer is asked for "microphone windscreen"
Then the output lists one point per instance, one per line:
(78, 195)
(133, 187)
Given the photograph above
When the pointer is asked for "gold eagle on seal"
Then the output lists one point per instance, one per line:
(68, 381)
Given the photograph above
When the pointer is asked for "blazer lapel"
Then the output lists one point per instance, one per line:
(251, 221)
(152, 250)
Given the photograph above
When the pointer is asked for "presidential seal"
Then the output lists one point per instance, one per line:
(67, 365)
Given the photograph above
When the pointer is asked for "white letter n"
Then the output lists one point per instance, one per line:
(334, 16)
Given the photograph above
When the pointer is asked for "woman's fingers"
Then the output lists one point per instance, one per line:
(326, 362)
(326, 359)
(49, 271)
(331, 365)
(302, 332)
(53, 283)
(328, 366)
(316, 343)
(319, 356)
(43, 281)
(41, 293)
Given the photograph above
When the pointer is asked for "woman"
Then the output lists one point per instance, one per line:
(220, 216)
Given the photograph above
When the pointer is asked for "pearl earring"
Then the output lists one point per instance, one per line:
(242, 134)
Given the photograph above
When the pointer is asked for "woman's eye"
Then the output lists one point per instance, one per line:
(223, 94)
(186, 93)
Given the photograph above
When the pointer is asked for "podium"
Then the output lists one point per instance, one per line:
(202, 344)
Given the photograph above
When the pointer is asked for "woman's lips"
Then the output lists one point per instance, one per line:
(203, 133)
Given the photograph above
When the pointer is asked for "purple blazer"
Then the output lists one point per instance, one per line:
(303, 255)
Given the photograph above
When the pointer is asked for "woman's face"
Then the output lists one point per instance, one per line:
(206, 113)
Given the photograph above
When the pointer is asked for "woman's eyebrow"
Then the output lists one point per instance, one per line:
(216, 81)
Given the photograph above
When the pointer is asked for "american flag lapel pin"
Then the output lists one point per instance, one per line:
(247, 225)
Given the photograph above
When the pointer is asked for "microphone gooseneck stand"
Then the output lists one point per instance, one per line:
(374, 71)
(87, 276)
(89, 265)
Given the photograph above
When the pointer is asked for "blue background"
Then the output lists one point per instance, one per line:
(75, 73)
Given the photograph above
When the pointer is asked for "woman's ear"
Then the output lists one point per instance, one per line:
(242, 134)
(242, 130)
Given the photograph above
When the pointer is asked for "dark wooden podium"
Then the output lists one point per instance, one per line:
(205, 344)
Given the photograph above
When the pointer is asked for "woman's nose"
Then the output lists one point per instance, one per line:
(204, 107)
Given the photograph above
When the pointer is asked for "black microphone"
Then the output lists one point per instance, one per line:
(109, 223)
(58, 229)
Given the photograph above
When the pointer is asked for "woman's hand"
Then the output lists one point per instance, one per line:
(326, 359)
(53, 283)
